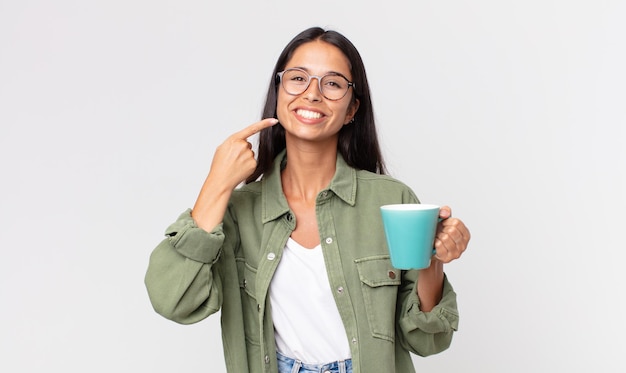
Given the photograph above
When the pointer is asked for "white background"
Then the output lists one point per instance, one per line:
(512, 112)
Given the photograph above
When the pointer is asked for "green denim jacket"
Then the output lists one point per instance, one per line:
(194, 273)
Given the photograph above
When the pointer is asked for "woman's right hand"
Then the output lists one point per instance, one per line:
(232, 163)
(234, 159)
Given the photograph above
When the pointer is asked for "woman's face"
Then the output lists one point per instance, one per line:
(310, 116)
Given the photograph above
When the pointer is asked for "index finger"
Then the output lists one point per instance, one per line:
(255, 128)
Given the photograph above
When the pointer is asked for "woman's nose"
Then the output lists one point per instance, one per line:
(313, 92)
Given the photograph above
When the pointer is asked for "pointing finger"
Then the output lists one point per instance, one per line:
(254, 128)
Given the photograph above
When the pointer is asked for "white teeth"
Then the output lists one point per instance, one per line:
(309, 114)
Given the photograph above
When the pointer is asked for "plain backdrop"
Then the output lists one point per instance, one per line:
(511, 112)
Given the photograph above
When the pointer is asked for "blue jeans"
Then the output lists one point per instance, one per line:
(289, 365)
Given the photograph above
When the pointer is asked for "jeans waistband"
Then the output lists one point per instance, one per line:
(341, 366)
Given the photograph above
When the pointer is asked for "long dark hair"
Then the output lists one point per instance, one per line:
(358, 141)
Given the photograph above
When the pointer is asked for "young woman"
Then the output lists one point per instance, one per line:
(296, 259)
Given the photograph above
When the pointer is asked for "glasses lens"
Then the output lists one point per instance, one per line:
(295, 81)
(334, 87)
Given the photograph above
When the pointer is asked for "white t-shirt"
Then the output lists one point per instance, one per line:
(306, 320)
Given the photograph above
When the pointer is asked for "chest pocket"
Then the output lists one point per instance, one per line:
(250, 306)
(379, 284)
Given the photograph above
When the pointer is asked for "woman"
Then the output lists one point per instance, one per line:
(296, 258)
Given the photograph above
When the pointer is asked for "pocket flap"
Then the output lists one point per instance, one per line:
(377, 271)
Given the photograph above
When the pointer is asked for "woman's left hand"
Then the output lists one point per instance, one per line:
(452, 237)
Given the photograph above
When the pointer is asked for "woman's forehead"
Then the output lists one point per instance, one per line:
(319, 58)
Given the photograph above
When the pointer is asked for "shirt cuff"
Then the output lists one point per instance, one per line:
(444, 317)
(193, 242)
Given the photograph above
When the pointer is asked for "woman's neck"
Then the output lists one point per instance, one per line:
(308, 172)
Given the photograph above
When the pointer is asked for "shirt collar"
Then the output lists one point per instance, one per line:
(343, 184)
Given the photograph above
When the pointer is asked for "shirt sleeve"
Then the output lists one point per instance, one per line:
(427, 333)
(181, 278)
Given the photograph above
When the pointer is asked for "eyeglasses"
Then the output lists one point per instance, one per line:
(333, 86)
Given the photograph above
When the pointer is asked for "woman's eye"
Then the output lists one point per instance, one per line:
(333, 83)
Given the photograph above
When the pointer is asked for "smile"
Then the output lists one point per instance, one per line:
(308, 114)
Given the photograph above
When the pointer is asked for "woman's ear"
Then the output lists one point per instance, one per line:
(354, 107)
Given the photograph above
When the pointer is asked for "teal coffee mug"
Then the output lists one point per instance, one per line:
(410, 231)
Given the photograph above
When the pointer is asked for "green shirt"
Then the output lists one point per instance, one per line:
(194, 273)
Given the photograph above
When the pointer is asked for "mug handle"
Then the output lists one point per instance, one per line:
(439, 220)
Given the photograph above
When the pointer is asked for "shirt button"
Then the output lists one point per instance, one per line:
(340, 289)
(324, 193)
(353, 340)
(329, 240)
(258, 307)
(392, 275)
(271, 256)
(267, 359)
(245, 283)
